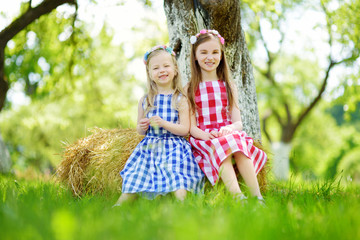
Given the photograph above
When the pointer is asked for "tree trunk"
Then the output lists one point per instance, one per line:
(4, 86)
(5, 161)
(281, 163)
(186, 18)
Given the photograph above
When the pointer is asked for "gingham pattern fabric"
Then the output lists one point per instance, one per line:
(212, 113)
(162, 162)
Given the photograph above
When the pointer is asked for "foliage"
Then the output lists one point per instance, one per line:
(297, 78)
(314, 210)
(38, 52)
(76, 82)
(35, 133)
(348, 119)
(346, 106)
(288, 78)
(92, 92)
(345, 25)
(317, 142)
(298, 74)
(321, 144)
(350, 164)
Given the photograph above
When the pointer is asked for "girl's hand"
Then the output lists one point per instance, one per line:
(213, 134)
(225, 130)
(144, 124)
(156, 121)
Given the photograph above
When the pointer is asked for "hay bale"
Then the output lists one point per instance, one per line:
(92, 164)
(264, 172)
(107, 160)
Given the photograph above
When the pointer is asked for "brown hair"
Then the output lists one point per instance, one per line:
(222, 71)
(152, 87)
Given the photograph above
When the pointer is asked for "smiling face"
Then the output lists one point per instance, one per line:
(161, 69)
(208, 55)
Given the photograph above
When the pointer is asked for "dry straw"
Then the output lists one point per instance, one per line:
(92, 164)
(264, 173)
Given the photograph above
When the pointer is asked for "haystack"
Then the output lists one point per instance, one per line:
(92, 164)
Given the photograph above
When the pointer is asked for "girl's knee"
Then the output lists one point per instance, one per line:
(124, 197)
(128, 196)
(240, 156)
(227, 160)
(180, 194)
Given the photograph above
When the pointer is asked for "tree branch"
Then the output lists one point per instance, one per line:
(28, 17)
(268, 75)
(15, 27)
(277, 115)
(271, 57)
(265, 43)
(318, 97)
(261, 71)
(4, 85)
(267, 114)
(288, 113)
(332, 63)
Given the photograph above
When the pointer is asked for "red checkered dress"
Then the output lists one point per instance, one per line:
(212, 114)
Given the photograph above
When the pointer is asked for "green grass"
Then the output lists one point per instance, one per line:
(44, 210)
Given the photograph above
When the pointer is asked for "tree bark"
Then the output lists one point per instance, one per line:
(187, 17)
(5, 161)
(281, 163)
(4, 86)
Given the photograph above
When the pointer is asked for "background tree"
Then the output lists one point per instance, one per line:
(296, 84)
(345, 111)
(100, 93)
(26, 18)
(79, 81)
(75, 81)
(185, 18)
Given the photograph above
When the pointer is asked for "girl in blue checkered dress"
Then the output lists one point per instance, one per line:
(163, 161)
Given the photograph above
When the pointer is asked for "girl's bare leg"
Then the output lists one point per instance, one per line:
(180, 194)
(228, 176)
(124, 198)
(247, 171)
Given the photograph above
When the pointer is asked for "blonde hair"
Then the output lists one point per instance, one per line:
(152, 87)
(222, 71)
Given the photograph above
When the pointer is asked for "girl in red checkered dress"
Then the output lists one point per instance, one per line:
(216, 126)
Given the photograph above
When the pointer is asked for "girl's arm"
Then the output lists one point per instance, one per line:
(200, 134)
(194, 130)
(181, 128)
(197, 132)
(235, 112)
(235, 117)
(142, 123)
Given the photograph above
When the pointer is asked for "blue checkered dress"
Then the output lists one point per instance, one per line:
(162, 162)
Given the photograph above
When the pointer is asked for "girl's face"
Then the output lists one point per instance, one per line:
(208, 55)
(162, 69)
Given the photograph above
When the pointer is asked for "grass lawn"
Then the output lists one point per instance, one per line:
(45, 210)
